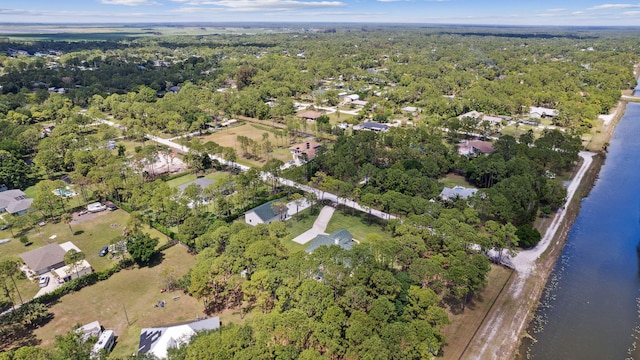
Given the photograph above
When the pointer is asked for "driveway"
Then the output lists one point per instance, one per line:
(53, 284)
(319, 226)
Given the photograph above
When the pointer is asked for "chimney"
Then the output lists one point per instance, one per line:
(336, 241)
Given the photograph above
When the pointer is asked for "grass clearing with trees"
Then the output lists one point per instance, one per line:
(357, 224)
(135, 291)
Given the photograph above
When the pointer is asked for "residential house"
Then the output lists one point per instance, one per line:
(264, 214)
(310, 115)
(372, 126)
(342, 238)
(481, 117)
(157, 340)
(457, 192)
(410, 109)
(44, 259)
(202, 182)
(475, 147)
(359, 103)
(304, 152)
(536, 112)
(14, 202)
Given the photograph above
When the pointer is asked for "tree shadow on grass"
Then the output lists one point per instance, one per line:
(156, 259)
(78, 232)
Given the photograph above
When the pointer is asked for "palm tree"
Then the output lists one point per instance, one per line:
(9, 269)
(67, 219)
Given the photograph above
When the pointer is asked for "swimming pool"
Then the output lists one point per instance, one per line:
(64, 192)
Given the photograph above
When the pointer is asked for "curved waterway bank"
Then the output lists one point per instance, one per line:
(589, 309)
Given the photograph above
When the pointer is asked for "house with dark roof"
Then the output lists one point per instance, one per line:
(475, 147)
(372, 126)
(157, 340)
(304, 152)
(14, 202)
(264, 214)
(44, 259)
(456, 192)
(342, 238)
(310, 115)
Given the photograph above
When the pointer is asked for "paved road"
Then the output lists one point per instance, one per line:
(525, 260)
(321, 195)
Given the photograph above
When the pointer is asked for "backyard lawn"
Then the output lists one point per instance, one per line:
(357, 225)
(125, 303)
(215, 176)
(452, 180)
(228, 137)
(89, 233)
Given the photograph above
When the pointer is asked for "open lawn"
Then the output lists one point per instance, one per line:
(89, 233)
(297, 227)
(334, 118)
(125, 303)
(228, 137)
(463, 325)
(215, 176)
(358, 224)
(452, 180)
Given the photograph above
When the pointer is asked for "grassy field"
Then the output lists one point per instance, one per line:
(452, 180)
(358, 225)
(297, 227)
(89, 233)
(463, 325)
(125, 303)
(215, 176)
(228, 138)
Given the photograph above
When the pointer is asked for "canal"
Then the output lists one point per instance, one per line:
(591, 305)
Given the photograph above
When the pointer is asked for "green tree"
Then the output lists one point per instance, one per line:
(9, 269)
(73, 259)
(141, 247)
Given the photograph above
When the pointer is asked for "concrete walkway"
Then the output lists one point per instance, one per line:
(319, 226)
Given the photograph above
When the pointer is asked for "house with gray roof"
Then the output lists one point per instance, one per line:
(342, 238)
(372, 126)
(44, 259)
(157, 340)
(203, 182)
(456, 192)
(14, 202)
(264, 214)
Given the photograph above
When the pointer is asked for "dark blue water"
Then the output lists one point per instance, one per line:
(590, 309)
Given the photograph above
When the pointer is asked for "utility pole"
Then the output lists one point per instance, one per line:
(125, 314)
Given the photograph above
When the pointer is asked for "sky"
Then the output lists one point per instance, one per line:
(499, 12)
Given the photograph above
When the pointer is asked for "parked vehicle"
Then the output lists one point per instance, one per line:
(104, 251)
(44, 281)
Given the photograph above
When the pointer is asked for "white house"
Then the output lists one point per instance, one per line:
(264, 214)
(457, 192)
(70, 272)
(536, 112)
(156, 341)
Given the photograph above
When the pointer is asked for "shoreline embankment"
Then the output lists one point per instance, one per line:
(504, 335)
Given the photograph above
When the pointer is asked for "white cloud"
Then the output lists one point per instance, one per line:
(129, 2)
(556, 10)
(195, 6)
(614, 6)
(631, 13)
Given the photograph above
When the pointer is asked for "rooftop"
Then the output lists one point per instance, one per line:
(310, 114)
(342, 238)
(158, 340)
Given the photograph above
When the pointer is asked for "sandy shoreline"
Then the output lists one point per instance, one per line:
(500, 337)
